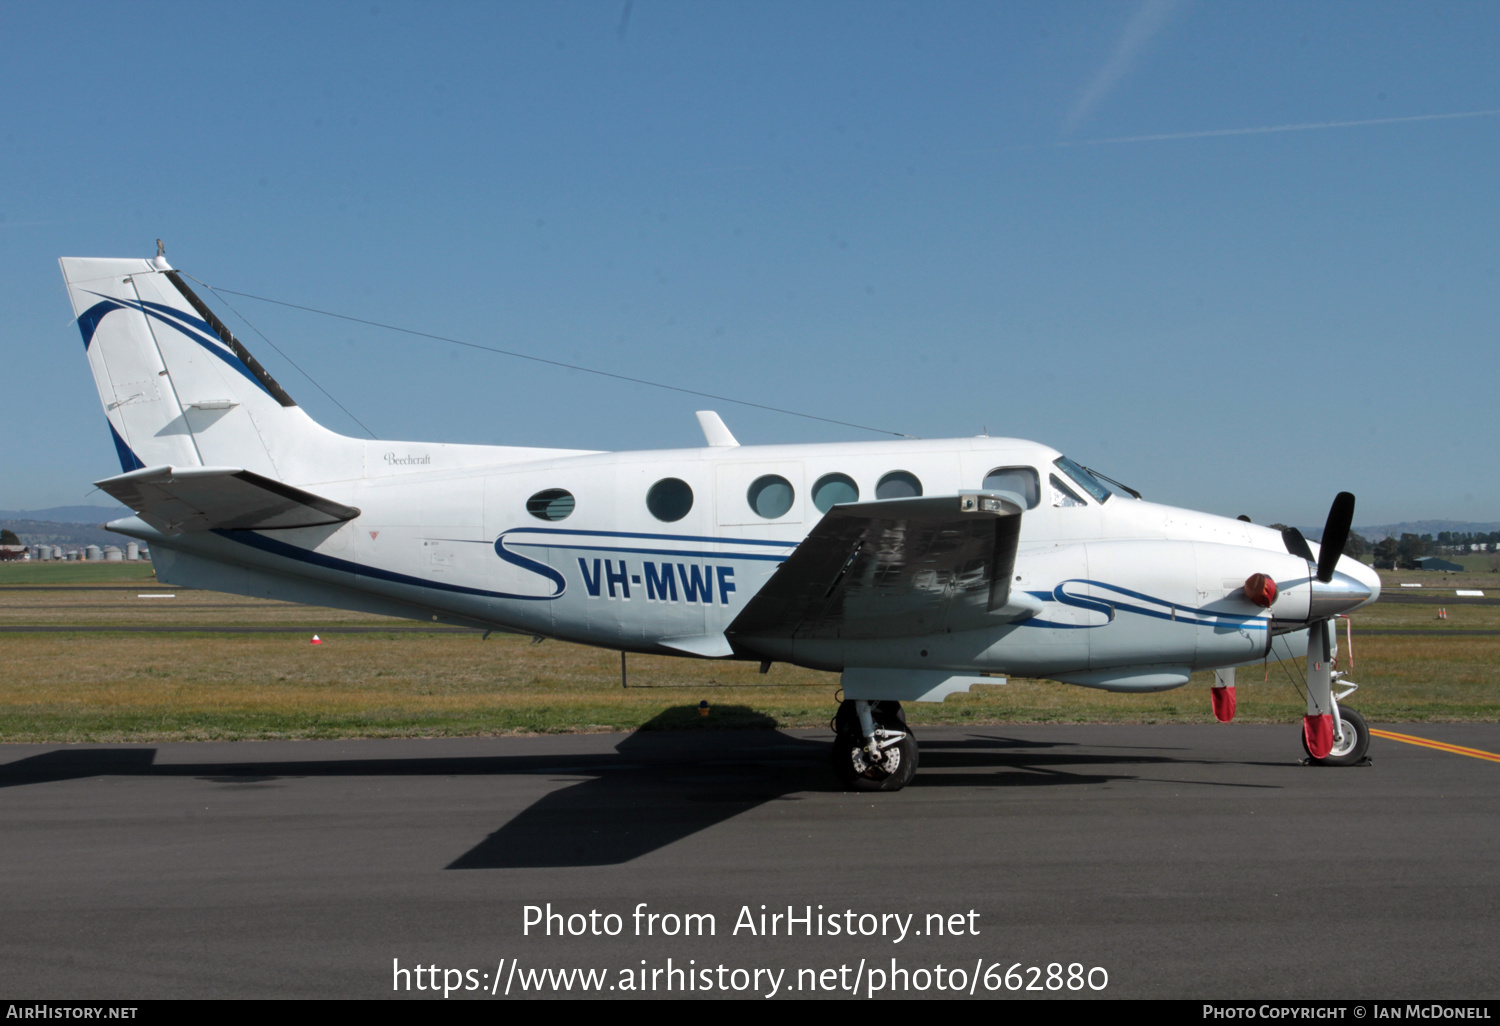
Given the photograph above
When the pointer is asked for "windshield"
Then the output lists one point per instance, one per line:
(1083, 479)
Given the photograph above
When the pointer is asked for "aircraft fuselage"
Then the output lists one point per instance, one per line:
(1123, 593)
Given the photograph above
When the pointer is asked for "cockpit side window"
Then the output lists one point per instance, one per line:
(1020, 484)
(1083, 479)
(1062, 495)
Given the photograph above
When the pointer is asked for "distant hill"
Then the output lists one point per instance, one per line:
(71, 527)
(1418, 527)
(67, 514)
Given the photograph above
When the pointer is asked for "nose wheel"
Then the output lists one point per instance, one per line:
(1351, 741)
(874, 751)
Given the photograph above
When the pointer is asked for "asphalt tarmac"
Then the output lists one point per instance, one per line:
(1180, 860)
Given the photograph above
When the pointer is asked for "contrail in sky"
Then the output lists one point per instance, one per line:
(1268, 129)
(1146, 22)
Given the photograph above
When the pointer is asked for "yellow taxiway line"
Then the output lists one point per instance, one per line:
(1442, 746)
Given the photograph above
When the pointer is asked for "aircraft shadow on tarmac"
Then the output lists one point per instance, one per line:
(658, 787)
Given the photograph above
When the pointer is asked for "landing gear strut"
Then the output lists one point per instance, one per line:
(1331, 736)
(873, 749)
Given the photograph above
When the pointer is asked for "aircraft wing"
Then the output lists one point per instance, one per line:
(893, 568)
(178, 499)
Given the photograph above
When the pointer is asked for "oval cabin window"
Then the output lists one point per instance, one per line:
(670, 499)
(552, 504)
(832, 490)
(898, 484)
(771, 496)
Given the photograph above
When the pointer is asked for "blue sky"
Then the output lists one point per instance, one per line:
(931, 218)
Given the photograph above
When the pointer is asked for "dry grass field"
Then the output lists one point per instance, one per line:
(68, 677)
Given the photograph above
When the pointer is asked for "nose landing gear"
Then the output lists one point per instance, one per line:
(873, 749)
(1351, 737)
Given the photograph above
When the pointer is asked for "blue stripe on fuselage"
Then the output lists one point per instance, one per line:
(637, 550)
(1174, 611)
(281, 548)
(655, 537)
(1187, 615)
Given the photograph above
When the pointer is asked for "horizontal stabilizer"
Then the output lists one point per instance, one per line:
(894, 568)
(178, 499)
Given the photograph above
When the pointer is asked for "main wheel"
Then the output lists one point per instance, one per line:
(852, 764)
(856, 771)
(1356, 743)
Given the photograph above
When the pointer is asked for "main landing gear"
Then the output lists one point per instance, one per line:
(873, 749)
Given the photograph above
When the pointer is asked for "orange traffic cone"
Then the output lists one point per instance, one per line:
(317, 640)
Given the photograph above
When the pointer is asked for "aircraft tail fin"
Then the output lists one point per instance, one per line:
(178, 388)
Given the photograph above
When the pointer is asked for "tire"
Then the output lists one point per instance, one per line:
(850, 766)
(849, 763)
(1356, 742)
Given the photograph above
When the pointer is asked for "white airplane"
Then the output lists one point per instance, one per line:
(914, 568)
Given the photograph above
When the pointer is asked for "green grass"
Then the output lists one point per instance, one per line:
(188, 685)
(64, 573)
(131, 687)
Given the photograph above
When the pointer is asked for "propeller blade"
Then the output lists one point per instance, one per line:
(1296, 544)
(1335, 534)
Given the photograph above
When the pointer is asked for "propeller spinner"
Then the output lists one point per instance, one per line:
(1331, 592)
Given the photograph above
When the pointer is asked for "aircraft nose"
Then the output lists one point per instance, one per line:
(1362, 573)
(1345, 593)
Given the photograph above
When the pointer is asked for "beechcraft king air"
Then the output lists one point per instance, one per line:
(914, 568)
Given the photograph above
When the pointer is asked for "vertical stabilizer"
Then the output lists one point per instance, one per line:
(145, 414)
(178, 388)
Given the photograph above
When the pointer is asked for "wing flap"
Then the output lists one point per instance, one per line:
(894, 568)
(179, 499)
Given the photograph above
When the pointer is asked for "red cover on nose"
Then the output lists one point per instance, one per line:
(1223, 699)
(1319, 733)
(1260, 589)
